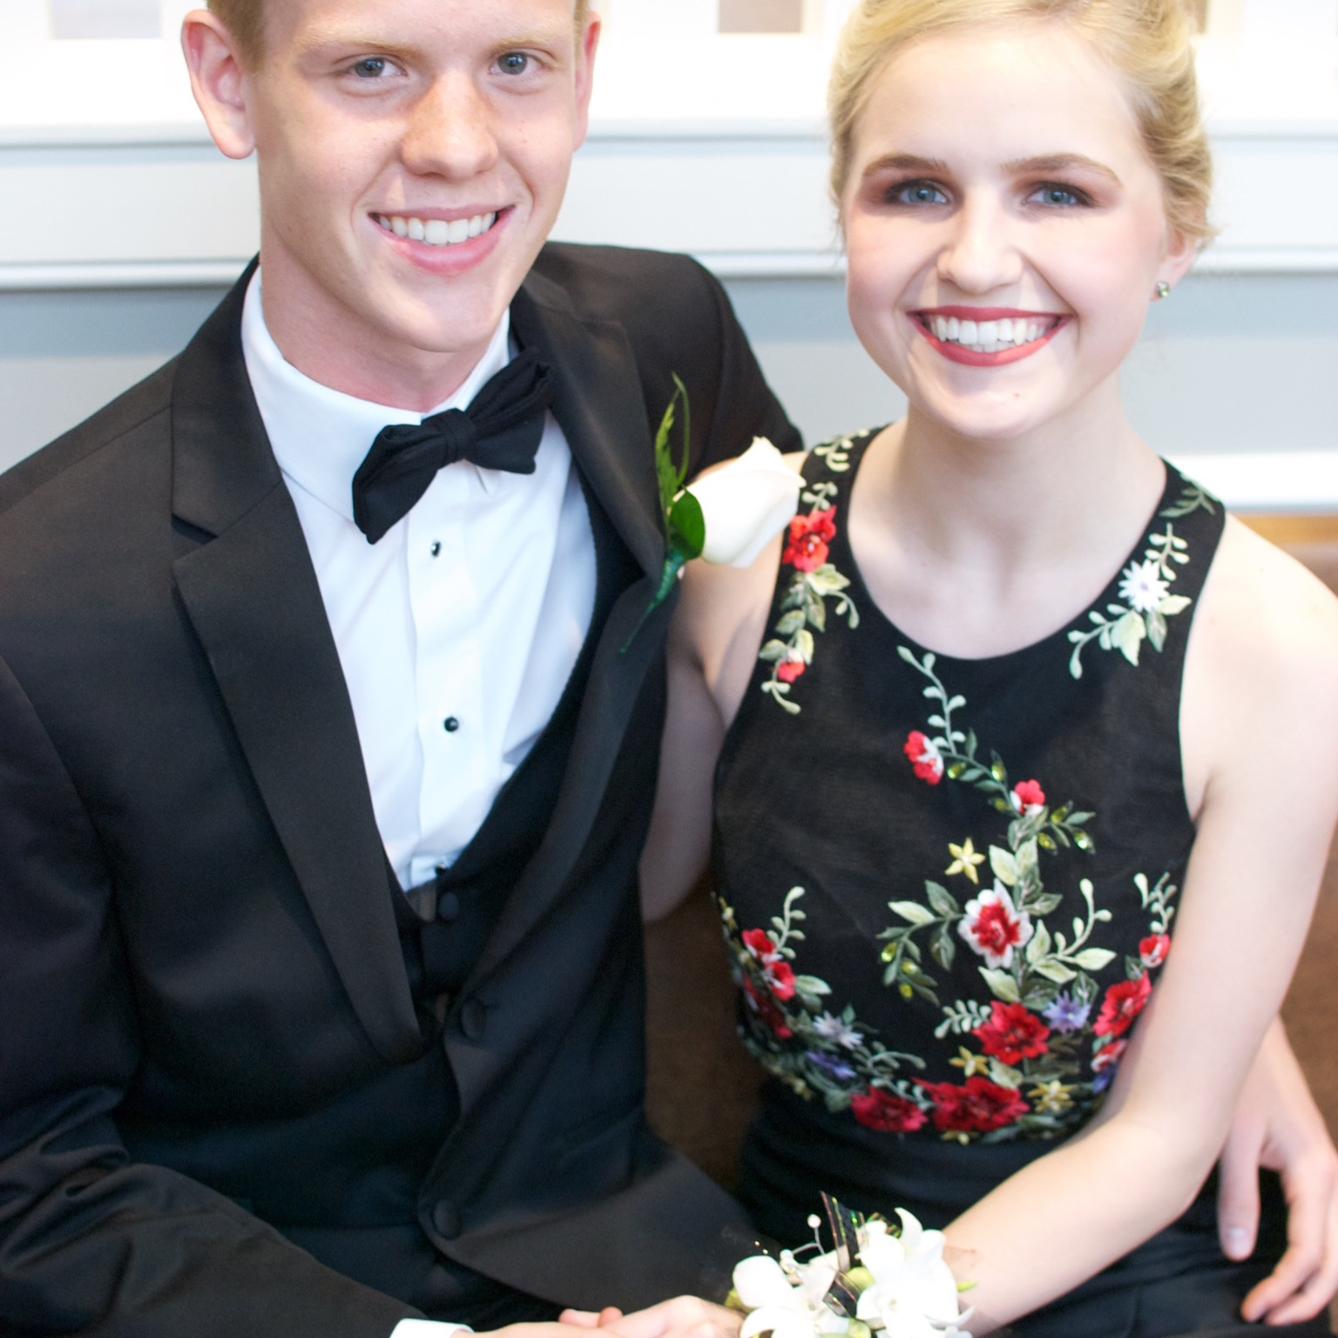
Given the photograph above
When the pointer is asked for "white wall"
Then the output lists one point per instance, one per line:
(121, 224)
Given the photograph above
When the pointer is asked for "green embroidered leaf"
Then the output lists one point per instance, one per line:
(772, 651)
(1001, 984)
(1004, 1076)
(1174, 604)
(912, 911)
(1045, 904)
(816, 610)
(943, 902)
(811, 985)
(1055, 970)
(1128, 636)
(1004, 866)
(944, 948)
(905, 653)
(805, 645)
(827, 580)
(790, 623)
(1156, 626)
(1040, 945)
(1093, 959)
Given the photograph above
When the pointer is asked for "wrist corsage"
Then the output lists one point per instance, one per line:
(726, 517)
(877, 1278)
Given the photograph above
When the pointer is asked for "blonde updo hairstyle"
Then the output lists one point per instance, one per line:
(1146, 42)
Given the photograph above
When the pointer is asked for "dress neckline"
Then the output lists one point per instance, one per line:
(849, 564)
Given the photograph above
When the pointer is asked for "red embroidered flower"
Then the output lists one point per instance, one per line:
(886, 1113)
(1013, 1033)
(788, 670)
(777, 972)
(1028, 797)
(993, 926)
(924, 756)
(1108, 1056)
(766, 1008)
(978, 1107)
(760, 944)
(780, 976)
(1154, 949)
(809, 537)
(1122, 1005)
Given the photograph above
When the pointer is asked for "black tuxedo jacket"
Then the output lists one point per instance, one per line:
(219, 1114)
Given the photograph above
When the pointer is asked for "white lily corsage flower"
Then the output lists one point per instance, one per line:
(878, 1281)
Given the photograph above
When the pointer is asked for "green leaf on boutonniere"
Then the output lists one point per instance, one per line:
(684, 524)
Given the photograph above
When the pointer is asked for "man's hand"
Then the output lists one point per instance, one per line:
(683, 1317)
(1277, 1126)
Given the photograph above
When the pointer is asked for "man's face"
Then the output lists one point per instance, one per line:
(413, 156)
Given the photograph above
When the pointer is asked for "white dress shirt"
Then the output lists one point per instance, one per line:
(458, 630)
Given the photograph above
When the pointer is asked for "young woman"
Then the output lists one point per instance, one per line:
(1027, 754)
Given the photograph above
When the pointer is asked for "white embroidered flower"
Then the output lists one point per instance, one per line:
(745, 503)
(1142, 587)
(993, 926)
(833, 1029)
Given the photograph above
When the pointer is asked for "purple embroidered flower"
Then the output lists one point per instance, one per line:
(836, 1069)
(1067, 1013)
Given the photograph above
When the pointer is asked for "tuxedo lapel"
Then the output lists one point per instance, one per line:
(251, 594)
(598, 402)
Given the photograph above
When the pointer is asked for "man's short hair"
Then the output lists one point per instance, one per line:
(245, 20)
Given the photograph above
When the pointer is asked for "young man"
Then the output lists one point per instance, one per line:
(248, 1085)
(323, 771)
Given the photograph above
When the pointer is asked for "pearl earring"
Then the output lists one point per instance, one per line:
(1163, 290)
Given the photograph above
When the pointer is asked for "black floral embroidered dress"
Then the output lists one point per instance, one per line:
(948, 886)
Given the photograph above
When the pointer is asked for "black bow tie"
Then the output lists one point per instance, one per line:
(500, 430)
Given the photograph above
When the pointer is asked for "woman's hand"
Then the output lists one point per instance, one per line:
(1278, 1127)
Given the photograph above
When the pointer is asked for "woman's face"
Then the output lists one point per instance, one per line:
(1005, 229)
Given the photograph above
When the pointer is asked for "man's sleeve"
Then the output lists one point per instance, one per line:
(744, 404)
(90, 1241)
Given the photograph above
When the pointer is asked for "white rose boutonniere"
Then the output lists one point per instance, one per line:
(729, 515)
(877, 1279)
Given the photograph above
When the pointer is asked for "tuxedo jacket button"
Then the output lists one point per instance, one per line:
(473, 1019)
(446, 1219)
(448, 908)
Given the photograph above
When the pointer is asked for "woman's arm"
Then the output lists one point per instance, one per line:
(1259, 731)
(713, 644)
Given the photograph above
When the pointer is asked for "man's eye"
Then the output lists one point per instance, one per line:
(917, 192)
(514, 62)
(372, 67)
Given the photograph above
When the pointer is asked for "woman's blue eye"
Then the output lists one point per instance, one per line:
(918, 192)
(514, 62)
(1060, 196)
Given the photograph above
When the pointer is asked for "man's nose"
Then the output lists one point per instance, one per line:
(979, 251)
(451, 133)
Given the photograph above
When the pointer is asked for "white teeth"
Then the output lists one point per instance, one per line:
(988, 336)
(437, 231)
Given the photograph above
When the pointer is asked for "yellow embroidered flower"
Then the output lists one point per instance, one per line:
(965, 857)
(970, 1064)
(1050, 1098)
